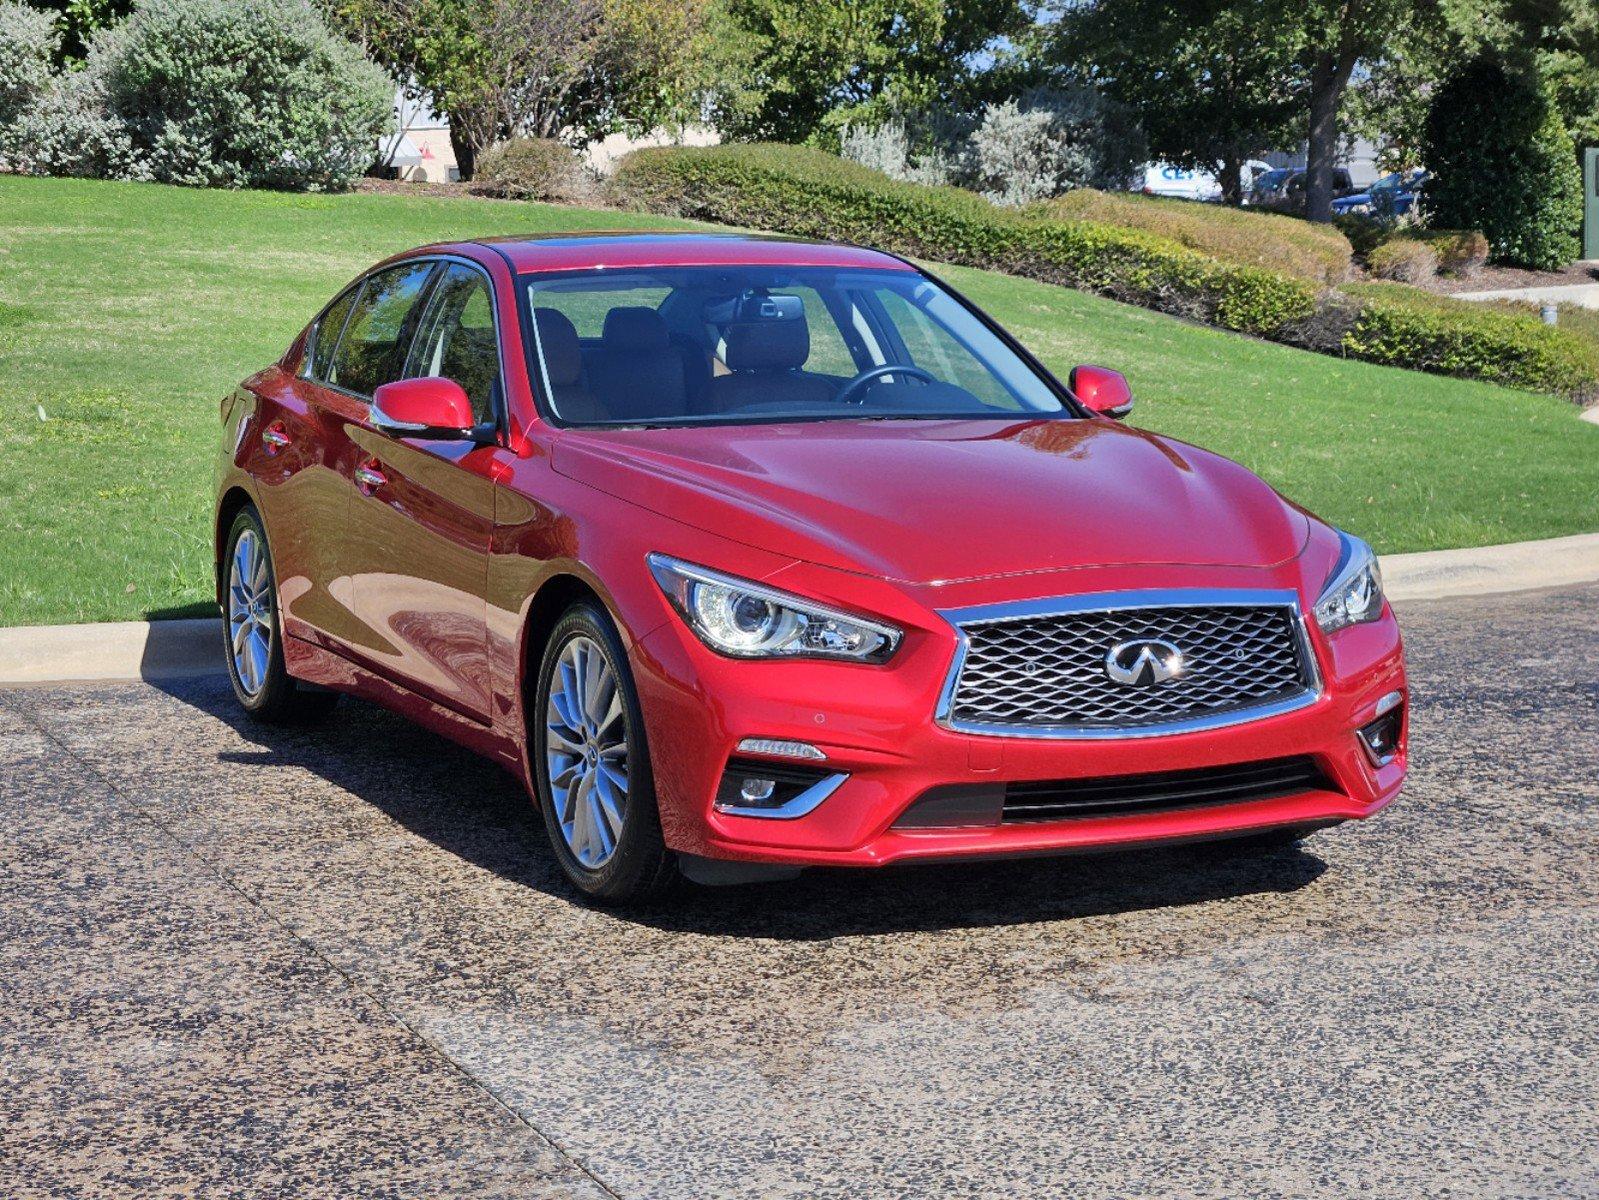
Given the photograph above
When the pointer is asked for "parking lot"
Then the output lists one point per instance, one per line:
(237, 961)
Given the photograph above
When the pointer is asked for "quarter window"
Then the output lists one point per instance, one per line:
(456, 339)
(372, 350)
(326, 336)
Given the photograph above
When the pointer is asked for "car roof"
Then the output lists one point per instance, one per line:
(631, 248)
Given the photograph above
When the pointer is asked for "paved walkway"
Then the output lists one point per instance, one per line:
(1584, 294)
(242, 962)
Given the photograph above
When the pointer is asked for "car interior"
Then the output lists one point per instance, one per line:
(718, 347)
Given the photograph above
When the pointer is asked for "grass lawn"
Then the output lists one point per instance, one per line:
(127, 310)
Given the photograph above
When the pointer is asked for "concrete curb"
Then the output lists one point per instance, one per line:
(115, 650)
(131, 650)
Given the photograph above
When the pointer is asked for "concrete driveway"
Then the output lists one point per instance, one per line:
(242, 962)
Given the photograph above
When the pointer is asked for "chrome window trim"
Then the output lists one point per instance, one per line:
(801, 805)
(1058, 606)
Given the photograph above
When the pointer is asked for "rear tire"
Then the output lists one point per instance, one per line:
(252, 634)
(591, 765)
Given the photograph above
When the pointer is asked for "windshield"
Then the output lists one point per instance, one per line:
(689, 345)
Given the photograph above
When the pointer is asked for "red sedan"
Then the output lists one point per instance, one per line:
(750, 554)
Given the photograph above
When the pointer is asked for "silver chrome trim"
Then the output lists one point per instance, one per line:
(801, 805)
(1384, 706)
(962, 618)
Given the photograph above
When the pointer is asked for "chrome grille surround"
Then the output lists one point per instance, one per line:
(1035, 669)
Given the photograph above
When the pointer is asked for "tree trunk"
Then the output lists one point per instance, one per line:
(1329, 76)
(465, 151)
(1232, 179)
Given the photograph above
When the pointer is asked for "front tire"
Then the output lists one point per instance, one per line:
(592, 767)
(252, 636)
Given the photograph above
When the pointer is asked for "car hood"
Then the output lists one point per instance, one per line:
(938, 501)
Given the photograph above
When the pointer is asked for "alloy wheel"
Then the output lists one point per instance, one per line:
(250, 612)
(585, 724)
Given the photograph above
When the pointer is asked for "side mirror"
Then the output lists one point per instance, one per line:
(431, 407)
(1102, 390)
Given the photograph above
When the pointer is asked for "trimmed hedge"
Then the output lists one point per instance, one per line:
(1407, 327)
(1405, 259)
(1252, 238)
(1460, 251)
(525, 168)
(809, 193)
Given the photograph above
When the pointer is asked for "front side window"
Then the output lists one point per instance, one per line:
(456, 339)
(372, 350)
(684, 345)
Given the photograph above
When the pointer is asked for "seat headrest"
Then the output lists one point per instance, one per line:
(635, 328)
(767, 345)
(563, 357)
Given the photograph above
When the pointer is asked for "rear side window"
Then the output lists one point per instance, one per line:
(372, 350)
(456, 338)
(326, 335)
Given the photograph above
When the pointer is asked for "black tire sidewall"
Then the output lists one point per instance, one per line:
(638, 868)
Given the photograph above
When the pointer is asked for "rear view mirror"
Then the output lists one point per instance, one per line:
(1102, 390)
(430, 407)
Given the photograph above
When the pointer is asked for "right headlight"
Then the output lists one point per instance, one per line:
(744, 619)
(1353, 594)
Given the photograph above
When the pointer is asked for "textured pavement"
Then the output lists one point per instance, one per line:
(247, 962)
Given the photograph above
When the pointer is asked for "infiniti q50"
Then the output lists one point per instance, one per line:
(747, 554)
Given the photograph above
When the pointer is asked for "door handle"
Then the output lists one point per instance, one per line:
(369, 479)
(275, 438)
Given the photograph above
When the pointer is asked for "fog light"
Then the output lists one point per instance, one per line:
(781, 791)
(757, 791)
(1380, 737)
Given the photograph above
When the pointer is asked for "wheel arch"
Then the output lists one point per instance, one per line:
(233, 501)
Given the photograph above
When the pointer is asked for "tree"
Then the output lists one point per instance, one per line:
(1503, 163)
(794, 71)
(541, 68)
(1239, 62)
(1212, 82)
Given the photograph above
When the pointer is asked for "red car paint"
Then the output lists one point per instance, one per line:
(420, 573)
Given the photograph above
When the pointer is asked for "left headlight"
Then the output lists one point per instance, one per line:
(1353, 595)
(745, 620)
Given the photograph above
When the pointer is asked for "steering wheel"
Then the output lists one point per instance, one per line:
(847, 392)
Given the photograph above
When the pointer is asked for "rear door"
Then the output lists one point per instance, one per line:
(305, 485)
(423, 514)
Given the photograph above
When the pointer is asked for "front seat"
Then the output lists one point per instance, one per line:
(563, 367)
(765, 359)
(636, 373)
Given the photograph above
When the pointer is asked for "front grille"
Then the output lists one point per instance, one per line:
(1048, 673)
(1121, 795)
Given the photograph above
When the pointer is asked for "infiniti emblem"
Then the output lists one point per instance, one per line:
(1143, 662)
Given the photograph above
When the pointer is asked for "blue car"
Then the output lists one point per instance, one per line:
(1393, 195)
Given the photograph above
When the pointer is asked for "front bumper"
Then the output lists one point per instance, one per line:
(877, 724)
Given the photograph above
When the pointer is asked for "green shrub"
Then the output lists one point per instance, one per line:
(530, 169)
(1460, 251)
(1503, 163)
(27, 48)
(1364, 232)
(215, 93)
(1405, 259)
(809, 193)
(1251, 237)
(1407, 327)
